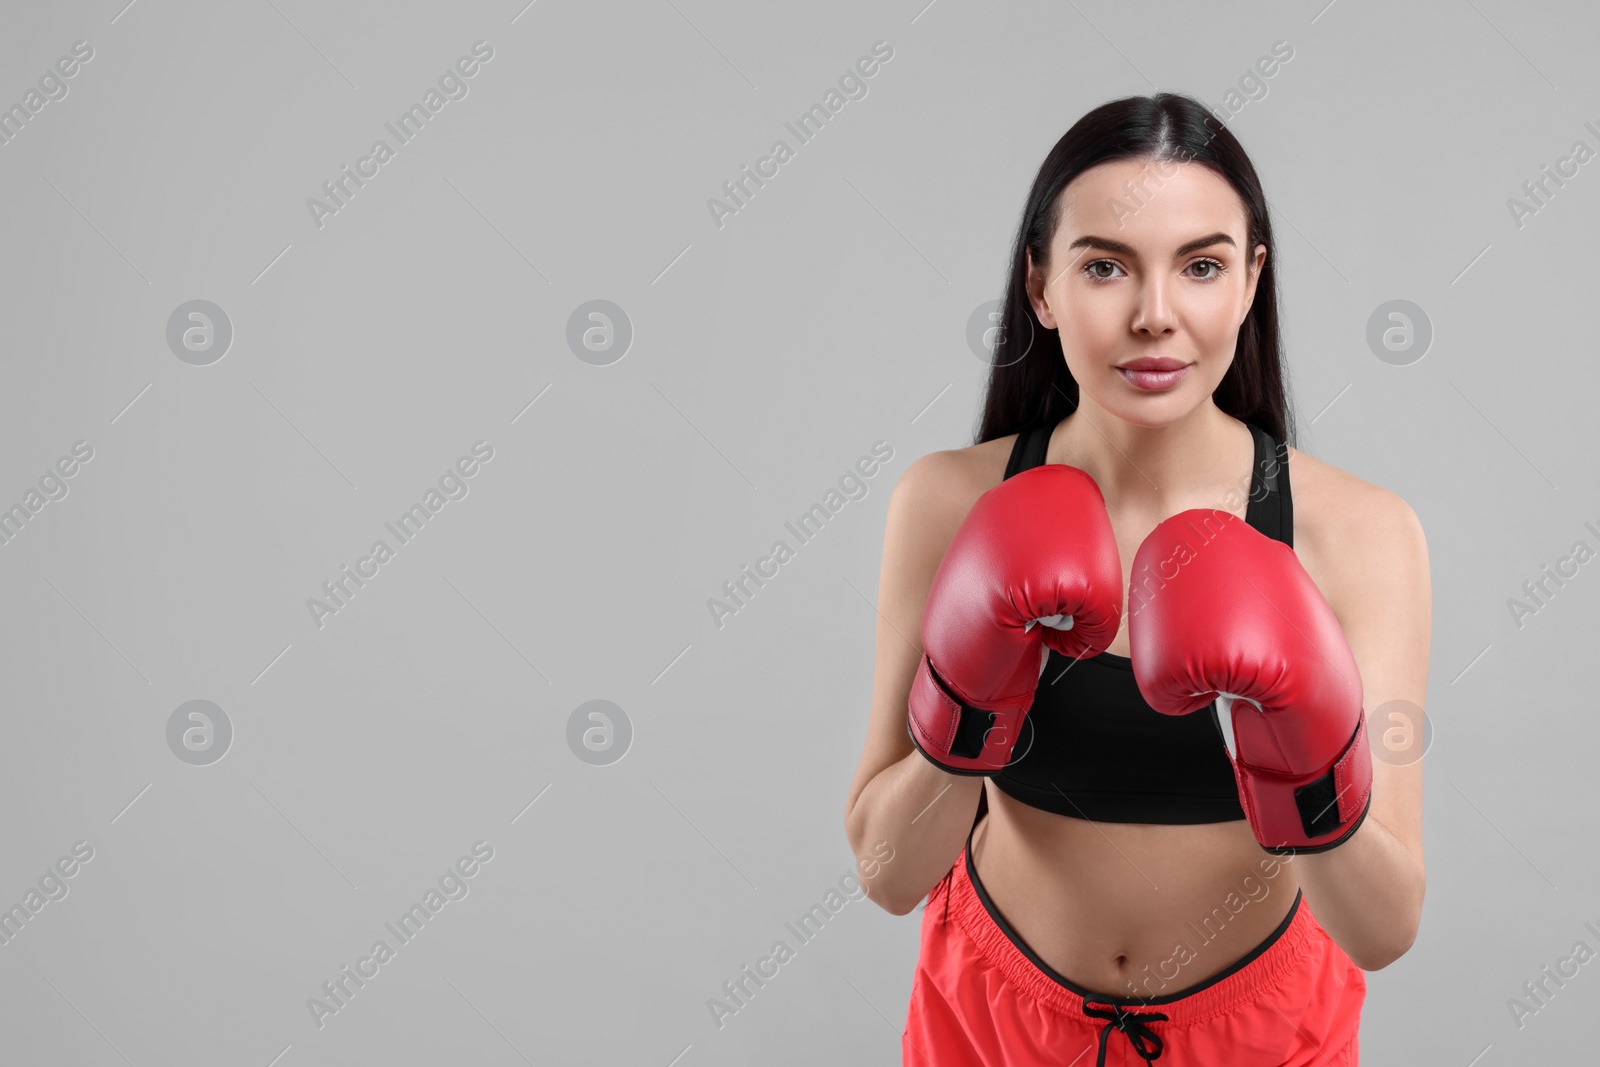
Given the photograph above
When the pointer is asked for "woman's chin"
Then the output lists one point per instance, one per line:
(1150, 410)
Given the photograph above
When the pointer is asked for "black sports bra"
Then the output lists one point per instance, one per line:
(1091, 747)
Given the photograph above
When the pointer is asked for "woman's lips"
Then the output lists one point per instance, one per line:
(1153, 380)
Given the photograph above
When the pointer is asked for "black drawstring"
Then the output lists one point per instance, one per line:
(1138, 1034)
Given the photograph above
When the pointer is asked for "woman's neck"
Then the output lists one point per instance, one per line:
(1156, 470)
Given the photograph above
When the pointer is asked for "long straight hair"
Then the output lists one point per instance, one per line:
(1028, 379)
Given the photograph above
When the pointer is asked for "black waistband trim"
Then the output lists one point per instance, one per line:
(1100, 998)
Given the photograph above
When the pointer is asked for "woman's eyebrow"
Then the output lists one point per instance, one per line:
(1108, 245)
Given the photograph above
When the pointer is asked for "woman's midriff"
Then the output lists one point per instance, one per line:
(1130, 909)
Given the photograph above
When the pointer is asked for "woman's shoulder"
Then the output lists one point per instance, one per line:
(949, 481)
(1346, 528)
(1334, 501)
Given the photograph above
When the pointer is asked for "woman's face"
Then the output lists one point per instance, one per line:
(1147, 271)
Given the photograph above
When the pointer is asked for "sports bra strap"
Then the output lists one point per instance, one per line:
(1270, 508)
(1028, 451)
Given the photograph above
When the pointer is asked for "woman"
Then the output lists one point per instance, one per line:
(1124, 863)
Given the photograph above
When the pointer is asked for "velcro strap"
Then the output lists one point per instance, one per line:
(971, 725)
(1333, 800)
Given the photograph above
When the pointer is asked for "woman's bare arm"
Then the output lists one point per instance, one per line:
(898, 798)
(1368, 892)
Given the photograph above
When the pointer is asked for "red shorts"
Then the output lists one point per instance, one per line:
(982, 997)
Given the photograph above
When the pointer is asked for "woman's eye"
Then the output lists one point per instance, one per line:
(1212, 269)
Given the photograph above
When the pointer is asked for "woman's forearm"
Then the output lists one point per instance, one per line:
(924, 815)
(1367, 894)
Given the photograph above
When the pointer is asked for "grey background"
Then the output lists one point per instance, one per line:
(767, 356)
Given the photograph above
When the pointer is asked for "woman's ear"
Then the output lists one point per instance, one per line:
(1257, 260)
(1036, 284)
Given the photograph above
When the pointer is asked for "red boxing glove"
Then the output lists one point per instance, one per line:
(1226, 613)
(1033, 567)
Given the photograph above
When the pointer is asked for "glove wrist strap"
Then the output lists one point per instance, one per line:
(1304, 816)
(954, 735)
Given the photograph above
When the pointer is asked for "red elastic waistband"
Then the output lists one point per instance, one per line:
(1266, 971)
